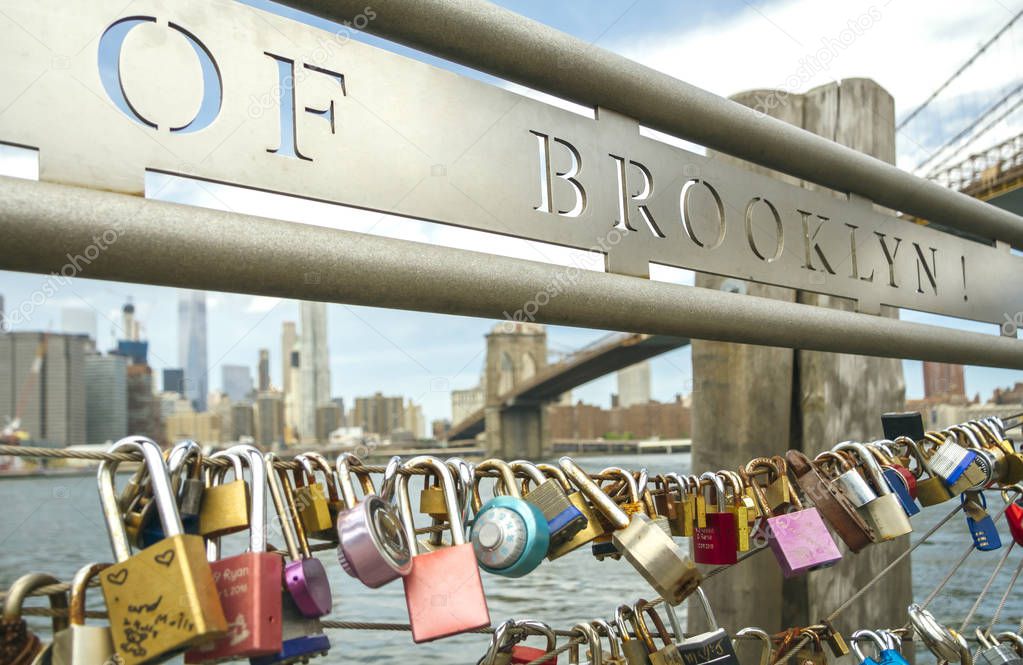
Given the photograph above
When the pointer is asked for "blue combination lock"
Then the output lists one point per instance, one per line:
(509, 536)
(982, 527)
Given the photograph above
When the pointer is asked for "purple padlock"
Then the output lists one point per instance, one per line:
(372, 545)
(305, 578)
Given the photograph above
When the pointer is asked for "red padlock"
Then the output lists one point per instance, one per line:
(249, 584)
(444, 592)
(716, 543)
(1014, 514)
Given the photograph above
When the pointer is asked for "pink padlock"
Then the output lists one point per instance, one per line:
(372, 545)
(444, 592)
(798, 537)
(249, 584)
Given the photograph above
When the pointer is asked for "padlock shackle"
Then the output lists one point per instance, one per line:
(85, 574)
(557, 474)
(602, 502)
(329, 475)
(25, 585)
(543, 628)
(645, 608)
(215, 475)
(870, 463)
(505, 483)
(719, 488)
(285, 517)
(163, 494)
(444, 478)
(614, 647)
(630, 482)
(529, 470)
(343, 469)
(760, 634)
(388, 484)
(586, 631)
(257, 503)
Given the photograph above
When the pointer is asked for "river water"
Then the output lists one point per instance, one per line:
(54, 525)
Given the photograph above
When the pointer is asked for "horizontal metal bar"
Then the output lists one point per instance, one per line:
(488, 38)
(50, 228)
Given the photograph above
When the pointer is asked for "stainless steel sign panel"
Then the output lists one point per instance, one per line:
(228, 93)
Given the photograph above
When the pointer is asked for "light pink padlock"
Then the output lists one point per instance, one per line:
(797, 536)
(372, 545)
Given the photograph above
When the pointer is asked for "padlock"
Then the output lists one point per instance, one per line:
(302, 637)
(685, 505)
(984, 442)
(225, 507)
(625, 485)
(505, 647)
(897, 478)
(310, 497)
(661, 521)
(716, 543)
(305, 578)
(595, 653)
(767, 648)
(80, 644)
(443, 592)
(863, 636)
(613, 654)
(836, 642)
(841, 469)
(1014, 512)
(1013, 457)
(946, 644)
(431, 499)
(811, 652)
(509, 535)
(18, 644)
(372, 546)
(633, 649)
(185, 465)
(334, 502)
(563, 519)
(954, 463)
(891, 654)
(667, 653)
(740, 505)
(163, 599)
(775, 490)
(594, 526)
(463, 475)
(979, 522)
(993, 652)
(884, 513)
(1013, 639)
(187, 455)
(653, 553)
(798, 537)
(830, 503)
(249, 584)
(665, 501)
(931, 488)
(672, 500)
(712, 646)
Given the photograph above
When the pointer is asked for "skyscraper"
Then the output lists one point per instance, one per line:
(106, 398)
(78, 321)
(192, 346)
(174, 380)
(237, 381)
(288, 339)
(634, 384)
(42, 382)
(264, 370)
(314, 366)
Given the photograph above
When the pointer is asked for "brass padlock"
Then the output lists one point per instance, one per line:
(931, 489)
(650, 550)
(334, 503)
(310, 497)
(163, 599)
(225, 506)
(19, 645)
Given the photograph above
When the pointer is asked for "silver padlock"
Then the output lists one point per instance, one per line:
(850, 482)
(79, 644)
(993, 652)
(884, 513)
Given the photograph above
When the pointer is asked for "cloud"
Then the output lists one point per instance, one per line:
(261, 304)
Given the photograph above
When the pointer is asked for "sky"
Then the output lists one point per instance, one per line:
(909, 46)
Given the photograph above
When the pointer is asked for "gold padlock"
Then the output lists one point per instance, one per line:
(225, 506)
(163, 599)
(594, 527)
(310, 498)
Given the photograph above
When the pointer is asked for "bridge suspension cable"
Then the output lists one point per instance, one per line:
(902, 123)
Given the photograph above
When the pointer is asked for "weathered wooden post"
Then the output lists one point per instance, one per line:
(751, 400)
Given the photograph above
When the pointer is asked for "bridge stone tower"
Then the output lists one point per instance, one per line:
(515, 352)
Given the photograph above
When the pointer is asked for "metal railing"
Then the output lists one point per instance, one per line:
(982, 168)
